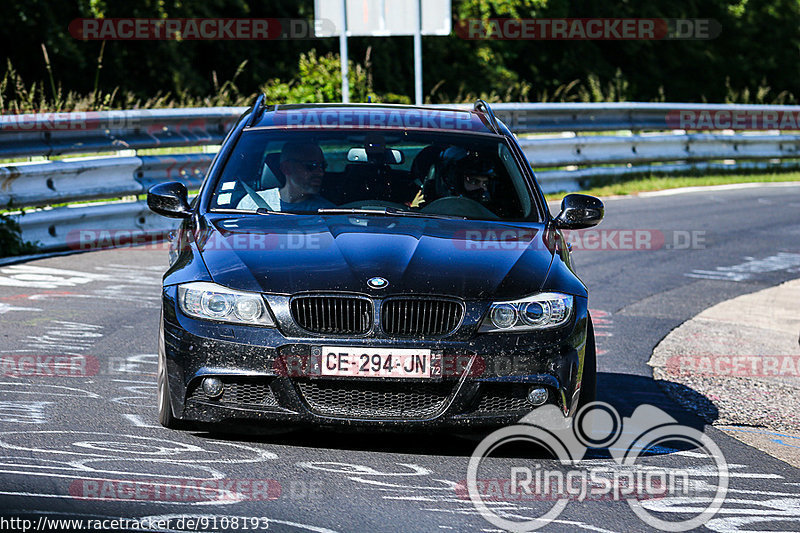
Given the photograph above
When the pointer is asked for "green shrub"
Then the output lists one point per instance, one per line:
(11, 242)
(319, 80)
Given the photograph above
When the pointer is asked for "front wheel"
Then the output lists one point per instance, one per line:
(589, 376)
(165, 416)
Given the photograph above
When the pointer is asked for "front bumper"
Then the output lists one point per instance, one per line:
(269, 374)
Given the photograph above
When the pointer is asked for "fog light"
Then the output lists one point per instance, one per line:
(537, 396)
(212, 387)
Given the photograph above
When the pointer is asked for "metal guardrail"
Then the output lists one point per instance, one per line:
(83, 227)
(610, 116)
(595, 150)
(39, 184)
(650, 145)
(52, 134)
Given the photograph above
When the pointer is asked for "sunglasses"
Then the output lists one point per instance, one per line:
(476, 180)
(311, 166)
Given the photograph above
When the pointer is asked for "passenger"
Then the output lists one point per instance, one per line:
(468, 174)
(476, 185)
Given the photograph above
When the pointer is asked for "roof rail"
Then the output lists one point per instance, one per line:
(481, 105)
(258, 107)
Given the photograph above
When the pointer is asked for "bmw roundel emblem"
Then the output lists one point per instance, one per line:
(378, 283)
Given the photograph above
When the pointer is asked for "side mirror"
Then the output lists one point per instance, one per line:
(169, 200)
(579, 211)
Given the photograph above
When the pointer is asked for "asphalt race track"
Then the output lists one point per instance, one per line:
(60, 433)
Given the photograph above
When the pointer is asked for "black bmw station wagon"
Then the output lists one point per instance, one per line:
(371, 266)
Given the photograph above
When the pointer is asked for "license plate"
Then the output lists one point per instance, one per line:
(346, 361)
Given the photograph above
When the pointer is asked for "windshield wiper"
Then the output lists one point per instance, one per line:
(381, 211)
(357, 211)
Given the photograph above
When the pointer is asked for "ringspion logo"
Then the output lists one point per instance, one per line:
(569, 478)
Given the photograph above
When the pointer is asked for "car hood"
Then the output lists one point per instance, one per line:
(294, 253)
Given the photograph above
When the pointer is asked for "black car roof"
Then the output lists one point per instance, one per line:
(372, 116)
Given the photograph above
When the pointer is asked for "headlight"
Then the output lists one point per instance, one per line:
(541, 311)
(215, 302)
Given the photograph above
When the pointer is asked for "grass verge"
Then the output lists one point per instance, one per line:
(635, 185)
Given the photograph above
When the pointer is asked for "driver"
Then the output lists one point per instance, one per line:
(303, 165)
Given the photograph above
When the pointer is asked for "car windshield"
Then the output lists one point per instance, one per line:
(399, 173)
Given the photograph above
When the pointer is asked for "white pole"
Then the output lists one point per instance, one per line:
(343, 54)
(418, 53)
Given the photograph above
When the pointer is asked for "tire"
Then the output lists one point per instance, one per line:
(165, 415)
(589, 377)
